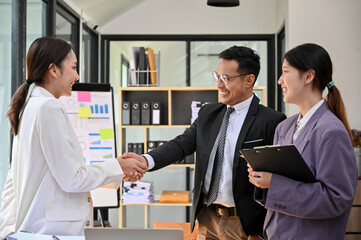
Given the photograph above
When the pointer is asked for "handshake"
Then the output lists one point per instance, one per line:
(134, 166)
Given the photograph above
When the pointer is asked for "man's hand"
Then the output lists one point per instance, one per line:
(132, 168)
(135, 156)
(133, 176)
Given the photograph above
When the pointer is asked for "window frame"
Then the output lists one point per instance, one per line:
(94, 54)
(71, 16)
(281, 37)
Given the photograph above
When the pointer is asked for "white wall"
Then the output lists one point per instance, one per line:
(195, 17)
(281, 13)
(335, 25)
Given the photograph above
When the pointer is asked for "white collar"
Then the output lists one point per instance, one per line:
(302, 121)
(41, 92)
(242, 106)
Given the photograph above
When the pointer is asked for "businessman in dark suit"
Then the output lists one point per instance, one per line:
(223, 196)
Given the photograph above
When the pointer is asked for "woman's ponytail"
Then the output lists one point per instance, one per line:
(336, 105)
(17, 105)
(42, 53)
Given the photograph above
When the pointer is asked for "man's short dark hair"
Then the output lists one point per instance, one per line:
(248, 59)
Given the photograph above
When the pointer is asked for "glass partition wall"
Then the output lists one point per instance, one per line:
(204, 60)
(67, 27)
(89, 69)
(35, 25)
(172, 70)
(188, 62)
(5, 86)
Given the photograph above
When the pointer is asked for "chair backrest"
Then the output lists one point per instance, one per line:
(185, 226)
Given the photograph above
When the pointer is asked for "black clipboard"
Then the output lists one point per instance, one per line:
(282, 160)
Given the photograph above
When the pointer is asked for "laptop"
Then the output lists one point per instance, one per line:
(132, 234)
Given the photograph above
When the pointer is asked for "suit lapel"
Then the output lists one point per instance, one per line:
(250, 117)
(305, 134)
(288, 138)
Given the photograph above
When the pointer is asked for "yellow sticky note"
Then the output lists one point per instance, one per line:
(106, 133)
(84, 112)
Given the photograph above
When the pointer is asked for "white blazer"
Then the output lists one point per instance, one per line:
(47, 187)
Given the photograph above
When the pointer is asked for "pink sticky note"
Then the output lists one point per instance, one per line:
(84, 96)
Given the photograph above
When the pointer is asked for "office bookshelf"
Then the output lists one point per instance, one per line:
(353, 230)
(175, 113)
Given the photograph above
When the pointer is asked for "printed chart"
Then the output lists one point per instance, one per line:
(92, 118)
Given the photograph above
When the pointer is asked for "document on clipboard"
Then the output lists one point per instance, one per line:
(283, 160)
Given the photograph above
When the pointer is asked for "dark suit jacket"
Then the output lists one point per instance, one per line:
(260, 123)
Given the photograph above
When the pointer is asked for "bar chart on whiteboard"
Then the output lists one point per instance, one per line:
(90, 113)
(90, 110)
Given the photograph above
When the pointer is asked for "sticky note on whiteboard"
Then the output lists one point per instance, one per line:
(85, 113)
(84, 96)
(106, 133)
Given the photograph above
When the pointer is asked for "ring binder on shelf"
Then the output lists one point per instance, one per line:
(144, 67)
(135, 148)
(135, 113)
(126, 113)
(160, 143)
(130, 147)
(151, 145)
(145, 113)
(143, 76)
(155, 113)
(140, 149)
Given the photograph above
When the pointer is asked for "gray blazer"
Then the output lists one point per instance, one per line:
(317, 210)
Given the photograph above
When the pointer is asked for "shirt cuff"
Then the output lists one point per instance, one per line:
(150, 160)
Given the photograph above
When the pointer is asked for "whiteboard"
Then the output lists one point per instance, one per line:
(91, 112)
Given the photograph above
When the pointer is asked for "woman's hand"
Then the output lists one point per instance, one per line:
(259, 179)
(254, 237)
(134, 166)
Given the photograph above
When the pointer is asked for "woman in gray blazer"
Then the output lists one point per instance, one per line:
(321, 133)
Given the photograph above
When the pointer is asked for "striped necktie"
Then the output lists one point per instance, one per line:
(218, 160)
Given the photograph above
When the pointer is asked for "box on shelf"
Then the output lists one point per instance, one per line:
(174, 197)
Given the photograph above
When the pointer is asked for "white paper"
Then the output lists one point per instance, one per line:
(103, 197)
(156, 116)
(37, 236)
(138, 193)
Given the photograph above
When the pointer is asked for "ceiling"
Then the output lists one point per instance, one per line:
(100, 12)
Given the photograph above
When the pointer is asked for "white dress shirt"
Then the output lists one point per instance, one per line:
(301, 121)
(236, 119)
(225, 193)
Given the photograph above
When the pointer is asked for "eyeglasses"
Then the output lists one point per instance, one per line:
(225, 78)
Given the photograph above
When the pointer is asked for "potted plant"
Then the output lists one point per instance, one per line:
(356, 134)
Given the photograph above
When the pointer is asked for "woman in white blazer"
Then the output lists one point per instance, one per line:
(47, 187)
